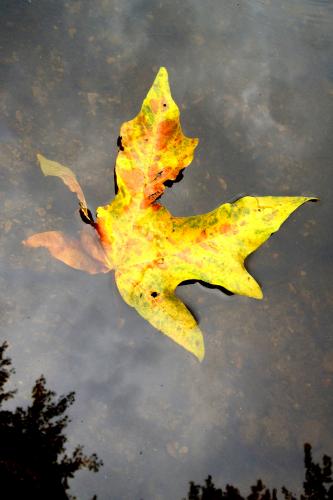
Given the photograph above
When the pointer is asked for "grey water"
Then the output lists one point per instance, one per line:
(254, 82)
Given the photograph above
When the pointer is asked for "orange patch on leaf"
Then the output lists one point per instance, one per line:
(165, 130)
(202, 236)
(226, 228)
(132, 178)
(154, 104)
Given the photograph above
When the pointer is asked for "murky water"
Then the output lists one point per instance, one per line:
(254, 82)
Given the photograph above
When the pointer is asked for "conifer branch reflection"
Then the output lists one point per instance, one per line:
(33, 461)
(318, 485)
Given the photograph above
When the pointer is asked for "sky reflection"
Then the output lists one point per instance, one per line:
(253, 82)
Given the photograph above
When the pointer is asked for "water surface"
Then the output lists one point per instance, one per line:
(254, 82)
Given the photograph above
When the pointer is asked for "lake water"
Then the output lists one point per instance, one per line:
(254, 81)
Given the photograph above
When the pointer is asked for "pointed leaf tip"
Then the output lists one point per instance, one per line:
(162, 73)
(200, 353)
(160, 85)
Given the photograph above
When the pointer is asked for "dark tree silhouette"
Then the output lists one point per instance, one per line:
(318, 485)
(33, 462)
(317, 479)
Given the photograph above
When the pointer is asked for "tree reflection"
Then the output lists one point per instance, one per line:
(33, 462)
(318, 485)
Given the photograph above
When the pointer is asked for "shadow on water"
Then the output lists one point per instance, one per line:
(33, 462)
(195, 314)
(207, 285)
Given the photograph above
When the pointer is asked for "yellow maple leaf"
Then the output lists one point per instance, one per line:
(151, 251)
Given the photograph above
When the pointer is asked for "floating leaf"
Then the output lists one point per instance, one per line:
(152, 251)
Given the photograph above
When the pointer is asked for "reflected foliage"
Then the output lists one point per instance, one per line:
(318, 485)
(33, 462)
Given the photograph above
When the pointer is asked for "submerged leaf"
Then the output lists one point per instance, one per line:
(84, 254)
(50, 167)
(152, 251)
